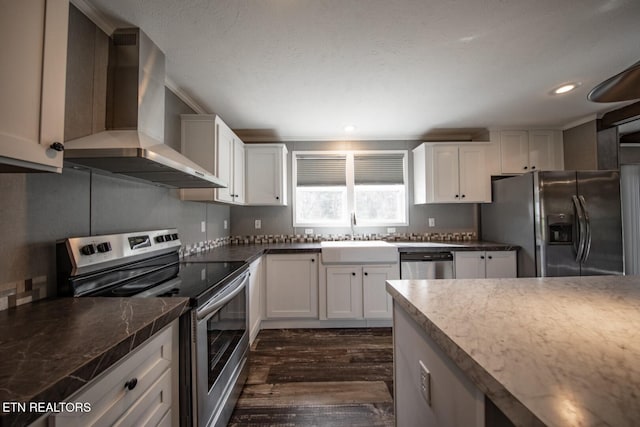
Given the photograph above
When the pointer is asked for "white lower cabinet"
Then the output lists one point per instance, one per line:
(292, 286)
(357, 291)
(140, 390)
(256, 282)
(485, 264)
(448, 397)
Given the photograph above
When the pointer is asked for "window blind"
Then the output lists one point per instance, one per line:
(379, 168)
(319, 171)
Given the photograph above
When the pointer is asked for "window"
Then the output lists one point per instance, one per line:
(331, 186)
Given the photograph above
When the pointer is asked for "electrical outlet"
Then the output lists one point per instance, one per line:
(432, 222)
(425, 382)
(203, 274)
(258, 224)
(225, 225)
(203, 226)
(391, 229)
(308, 231)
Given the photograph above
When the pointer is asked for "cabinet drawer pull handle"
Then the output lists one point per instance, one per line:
(131, 384)
(58, 146)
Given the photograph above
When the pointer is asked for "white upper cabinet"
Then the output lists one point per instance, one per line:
(32, 84)
(450, 173)
(266, 174)
(523, 151)
(209, 142)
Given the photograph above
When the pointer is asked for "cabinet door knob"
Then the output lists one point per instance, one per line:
(313, 260)
(525, 168)
(481, 256)
(131, 384)
(490, 257)
(353, 274)
(533, 167)
(463, 196)
(58, 146)
(366, 274)
(456, 196)
(277, 197)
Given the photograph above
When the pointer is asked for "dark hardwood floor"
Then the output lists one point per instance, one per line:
(318, 377)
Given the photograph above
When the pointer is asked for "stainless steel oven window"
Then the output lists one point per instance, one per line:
(220, 347)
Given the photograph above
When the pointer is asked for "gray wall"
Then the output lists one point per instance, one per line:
(279, 220)
(580, 147)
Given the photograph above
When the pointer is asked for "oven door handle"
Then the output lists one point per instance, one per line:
(212, 307)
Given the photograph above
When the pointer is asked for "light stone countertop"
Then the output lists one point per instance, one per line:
(554, 351)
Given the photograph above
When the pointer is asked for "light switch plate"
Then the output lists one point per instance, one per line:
(225, 225)
(432, 222)
(258, 224)
(203, 226)
(425, 382)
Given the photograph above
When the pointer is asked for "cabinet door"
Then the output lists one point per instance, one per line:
(469, 265)
(514, 151)
(32, 83)
(265, 175)
(542, 150)
(238, 171)
(344, 292)
(256, 279)
(224, 160)
(475, 182)
(445, 174)
(292, 286)
(501, 264)
(377, 303)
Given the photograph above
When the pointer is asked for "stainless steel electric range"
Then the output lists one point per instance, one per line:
(214, 339)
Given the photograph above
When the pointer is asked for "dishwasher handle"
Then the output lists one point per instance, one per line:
(426, 256)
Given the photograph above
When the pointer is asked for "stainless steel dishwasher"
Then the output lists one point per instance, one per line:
(426, 265)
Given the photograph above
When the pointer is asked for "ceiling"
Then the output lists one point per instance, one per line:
(402, 69)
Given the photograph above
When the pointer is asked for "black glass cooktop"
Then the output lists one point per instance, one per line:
(196, 281)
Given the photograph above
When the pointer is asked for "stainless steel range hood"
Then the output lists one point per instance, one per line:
(133, 144)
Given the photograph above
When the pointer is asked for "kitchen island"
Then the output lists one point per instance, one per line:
(547, 351)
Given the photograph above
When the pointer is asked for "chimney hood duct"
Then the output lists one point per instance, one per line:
(133, 144)
(624, 86)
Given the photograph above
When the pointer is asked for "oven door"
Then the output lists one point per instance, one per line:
(220, 348)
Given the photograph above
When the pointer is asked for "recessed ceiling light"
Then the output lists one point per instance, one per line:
(565, 88)
(349, 128)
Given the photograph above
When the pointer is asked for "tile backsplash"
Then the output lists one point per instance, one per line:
(20, 292)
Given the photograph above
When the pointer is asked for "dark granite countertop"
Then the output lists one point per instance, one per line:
(251, 252)
(51, 348)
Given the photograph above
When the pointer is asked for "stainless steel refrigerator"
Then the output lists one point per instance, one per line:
(567, 223)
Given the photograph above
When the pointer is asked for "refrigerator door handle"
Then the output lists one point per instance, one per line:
(579, 245)
(587, 249)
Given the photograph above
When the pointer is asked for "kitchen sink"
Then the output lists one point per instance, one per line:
(359, 252)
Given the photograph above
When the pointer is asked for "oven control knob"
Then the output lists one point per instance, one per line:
(174, 236)
(159, 239)
(104, 247)
(168, 238)
(88, 250)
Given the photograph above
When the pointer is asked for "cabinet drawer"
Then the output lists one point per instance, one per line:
(110, 399)
(152, 406)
